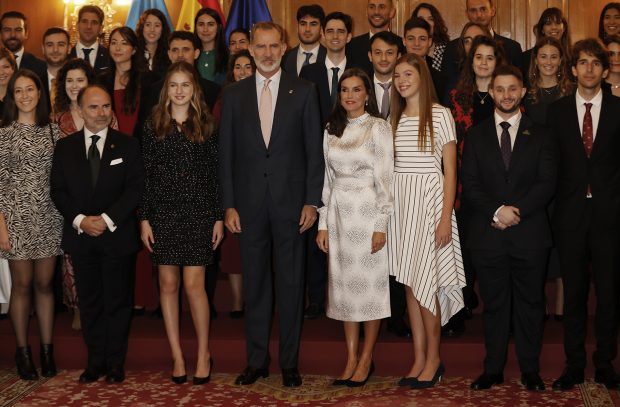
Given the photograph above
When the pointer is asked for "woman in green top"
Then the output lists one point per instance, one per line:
(214, 54)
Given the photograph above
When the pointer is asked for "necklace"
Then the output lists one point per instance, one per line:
(616, 86)
(550, 90)
(482, 98)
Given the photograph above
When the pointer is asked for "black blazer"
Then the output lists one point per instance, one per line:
(528, 184)
(289, 61)
(36, 65)
(317, 74)
(117, 193)
(102, 62)
(576, 171)
(291, 170)
(358, 49)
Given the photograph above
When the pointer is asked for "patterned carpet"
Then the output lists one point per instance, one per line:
(147, 388)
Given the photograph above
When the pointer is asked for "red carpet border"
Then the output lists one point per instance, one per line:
(147, 388)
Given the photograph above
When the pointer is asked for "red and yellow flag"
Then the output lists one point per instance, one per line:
(189, 10)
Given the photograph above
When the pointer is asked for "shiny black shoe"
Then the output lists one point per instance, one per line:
(90, 375)
(607, 377)
(486, 381)
(48, 365)
(314, 311)
(407, 381)
(341, 382)
(115, 375)
(352, 383)
(198, 381)
(398, 327)
(427, 384)
(251, 375)
(291, 377)
(568, 380)
(532, 382)
(179, 379)
(24, 363)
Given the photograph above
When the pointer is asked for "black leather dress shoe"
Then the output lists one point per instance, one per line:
(291, 377)
(314, 311)
(486, 380)
(115, 375)
(250, 375)
(90, 375)
(398, 327)
(607, 377)
(569, 379)
(532, 381)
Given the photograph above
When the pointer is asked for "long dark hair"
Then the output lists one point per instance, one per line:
(230, 75)
(461, 55)
(161, 53)
(553, 15)
(62, 101)
(200, 124)
(221, 50)
(11, 113)
(601, 27)
(564, 83)
(130, 100)
(338, 118)
(440, 30)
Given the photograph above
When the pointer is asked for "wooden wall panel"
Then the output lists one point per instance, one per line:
(515, 17)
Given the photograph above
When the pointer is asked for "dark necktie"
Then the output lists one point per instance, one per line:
(87, 52)
(505, 144)
(334, 85)
(307, 60)
(94, 160)
(588, 134)
(385, 100)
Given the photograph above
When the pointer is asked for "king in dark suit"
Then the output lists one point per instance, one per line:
(271, 171)
(586, 217)
(96, 184)
(509, 174)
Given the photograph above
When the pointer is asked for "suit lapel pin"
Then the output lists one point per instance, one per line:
(526, 133)
(290, 92)
(111, 145)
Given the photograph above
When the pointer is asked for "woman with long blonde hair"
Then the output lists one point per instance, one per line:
(181, 214)
(423, 243)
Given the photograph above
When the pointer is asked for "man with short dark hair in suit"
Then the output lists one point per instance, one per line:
(271, 172)
(586, 217)
(310, 21)
(480, 12)
(89, 25)
(14, 32)
(509, 175)
(56, 48)
(96, 183)
(379, 13)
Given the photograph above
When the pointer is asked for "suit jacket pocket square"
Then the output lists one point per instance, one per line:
(116, 161)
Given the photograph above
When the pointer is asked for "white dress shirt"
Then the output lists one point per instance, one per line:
(379, 90)
(18, 56)
(514, 122)
(100, 143)
(79, 50)
(274, 86)
(301, 57)
(595, 110)
(329, 65)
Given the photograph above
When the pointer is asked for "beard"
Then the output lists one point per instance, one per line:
(266, 67)
(512, 109)
(13, 44)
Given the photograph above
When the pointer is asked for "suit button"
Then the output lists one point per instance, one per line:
(267, 155)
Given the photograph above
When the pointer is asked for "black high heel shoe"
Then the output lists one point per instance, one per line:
(179, 379)
(198, 381)
(48, 365)
(341, 382)
(353, 383)
(427, 384)
(25, 365)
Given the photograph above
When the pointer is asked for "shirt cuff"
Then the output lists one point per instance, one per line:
(76, 223)
(108, 221)
(495, 218)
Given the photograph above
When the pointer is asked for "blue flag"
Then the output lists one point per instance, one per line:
(139, 6)
(244, 13)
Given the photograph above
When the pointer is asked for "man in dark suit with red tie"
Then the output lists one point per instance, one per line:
(96, 183)
(271, 172)
(586, 218)
(509, 174)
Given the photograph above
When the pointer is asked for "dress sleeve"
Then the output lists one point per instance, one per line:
(327, 185)
(5, 149)
(448, 128)
(383, 173)
(148, 149)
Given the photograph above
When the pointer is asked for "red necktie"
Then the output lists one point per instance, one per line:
(588, 134)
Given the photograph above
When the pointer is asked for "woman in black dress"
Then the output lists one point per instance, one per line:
(181, 215)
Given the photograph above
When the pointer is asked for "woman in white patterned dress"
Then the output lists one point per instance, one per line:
(30, 225)
(353, 222)
(423, 243)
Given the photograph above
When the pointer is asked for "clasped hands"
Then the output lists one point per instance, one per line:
(93, 225)
(306, 220)
(507, 216)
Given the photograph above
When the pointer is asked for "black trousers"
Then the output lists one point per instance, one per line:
(104, 287)
(579, 248)
(316, 268)
(260, 234)
(517, 276)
